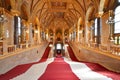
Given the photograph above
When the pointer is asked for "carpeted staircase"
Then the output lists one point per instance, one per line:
(95, 67)
(23, 68)
(58, 70)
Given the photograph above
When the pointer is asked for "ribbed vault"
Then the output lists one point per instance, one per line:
(48, 11)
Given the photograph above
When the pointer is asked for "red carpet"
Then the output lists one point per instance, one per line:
(71, 54)
(96, 67)
(22, 68)
(58, 70)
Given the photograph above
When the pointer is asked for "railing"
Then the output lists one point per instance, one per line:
(107, 48)
(6, 49)
(115, 50)
(104, 48)
(11, 48)
(112, 49)
(93, 45)
(28, 45)
(24, 46)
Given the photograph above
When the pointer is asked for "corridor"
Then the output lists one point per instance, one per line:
(59, 39)
(59, 68)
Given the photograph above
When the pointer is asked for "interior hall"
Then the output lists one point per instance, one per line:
(59, 39)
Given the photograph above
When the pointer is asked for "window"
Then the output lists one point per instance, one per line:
(119, 40)
(117, 26)
(95, 27)
(115, 40)
(19, 26)
(119, 1)
(59, 46)
(117, 20)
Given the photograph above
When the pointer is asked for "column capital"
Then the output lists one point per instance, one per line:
(15, 12)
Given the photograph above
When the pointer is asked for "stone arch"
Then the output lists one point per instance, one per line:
(24, 11)
(90, 15)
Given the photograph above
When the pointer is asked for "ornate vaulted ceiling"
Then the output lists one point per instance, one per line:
(48, 11)
(67, 10)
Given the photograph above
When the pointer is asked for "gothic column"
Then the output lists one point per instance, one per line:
(30, 34)
(39, 41)
(63, 35)
(4, 41)
(41, 37)
(40, 32)
(73, 36)
(91, 34)
(86, 32)
(23, 35)
(69, 36)
(77, 35)
(3, 31)
(47, 35)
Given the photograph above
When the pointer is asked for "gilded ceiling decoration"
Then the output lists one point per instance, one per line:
(48, 11)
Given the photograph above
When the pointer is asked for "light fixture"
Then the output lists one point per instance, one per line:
(110, 19)
(110, 22)
(2, 16)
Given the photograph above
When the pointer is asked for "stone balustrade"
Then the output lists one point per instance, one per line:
(21, 56)
(103, 48)
(23, 46)
(115, 50)
(11, 48)
(102, 55)
(93, 45)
